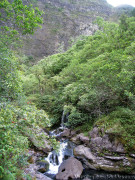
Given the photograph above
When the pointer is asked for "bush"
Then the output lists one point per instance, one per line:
(14, 145)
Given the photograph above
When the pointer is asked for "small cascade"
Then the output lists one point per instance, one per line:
(55, 159)
(62, 119)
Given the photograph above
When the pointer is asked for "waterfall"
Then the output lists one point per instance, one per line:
(62, 119)
(55, 159)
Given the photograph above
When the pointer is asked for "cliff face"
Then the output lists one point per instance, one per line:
(64, 21)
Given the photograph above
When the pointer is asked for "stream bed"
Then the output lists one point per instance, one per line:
(66, 151)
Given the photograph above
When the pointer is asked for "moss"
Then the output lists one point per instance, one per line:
(119, 125)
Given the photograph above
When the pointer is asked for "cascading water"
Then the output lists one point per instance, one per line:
(55, 159)
(66, 150)
(64, 119)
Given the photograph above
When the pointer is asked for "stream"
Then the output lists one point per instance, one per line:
(66, 151)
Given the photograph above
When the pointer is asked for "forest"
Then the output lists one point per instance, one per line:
(93, 83)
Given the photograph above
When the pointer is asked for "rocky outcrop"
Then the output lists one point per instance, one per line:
(64, 22)
(70, 169)
(38, 138)
(101, 141)
(80, 139)
(65, 133)
(104, 152)
(32, 170)
(36, 166)
(82, 151)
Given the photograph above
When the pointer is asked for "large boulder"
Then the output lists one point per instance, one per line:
(70, 169)
(80, 139)
(82, 151)
(83, 139)
(65, 133)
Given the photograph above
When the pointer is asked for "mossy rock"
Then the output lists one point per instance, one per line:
(31, 160)
(43, 166)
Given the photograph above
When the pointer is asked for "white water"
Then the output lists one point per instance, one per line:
(62, 119)
(57, 158)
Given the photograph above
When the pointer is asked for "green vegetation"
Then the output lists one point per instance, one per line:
(16, 114)
(92, 79)
(93, 83)
(120, 124)
(14, 120)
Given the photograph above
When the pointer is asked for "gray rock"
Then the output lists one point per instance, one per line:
(106, 144)
(132, 155)
(96, 143)
(65, 133)
(73, 133)
(32, 171)
(94, 133)
(120, 148)
(43, 166)
(42, 177)
(83, 139)
(71, 168)
(114, 158)
(80, 139)
(75, 140)
(86, 178)
(84, 152)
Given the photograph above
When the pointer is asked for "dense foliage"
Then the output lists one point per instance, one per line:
(14, 119)
(92, 79)
(91, 83)
(16, 114)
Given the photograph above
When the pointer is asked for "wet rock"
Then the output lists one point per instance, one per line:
(42, 177)
(103, 152)
(114, 158)
(31, 159)
(32, 171)
(65, 133)
(43, 166)
(84, 152)
(132, 155)
(70, 169)
(86, 178)
(54, 158)
(34, 156)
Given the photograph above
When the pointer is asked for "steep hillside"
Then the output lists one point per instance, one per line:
(92, 80)
(64, 21)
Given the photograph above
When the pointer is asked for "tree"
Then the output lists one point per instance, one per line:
(16, 19)
(133, 12)
(19, 17)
